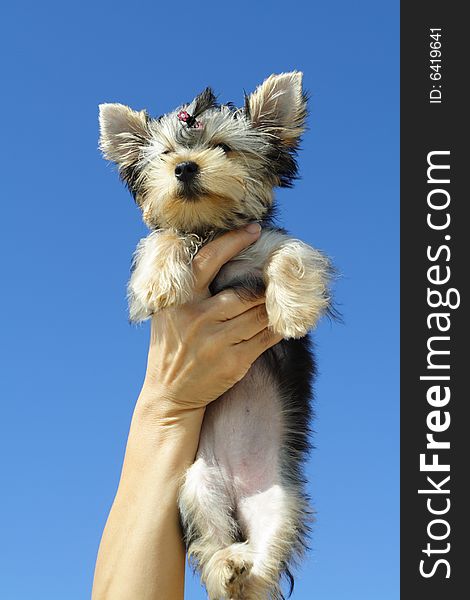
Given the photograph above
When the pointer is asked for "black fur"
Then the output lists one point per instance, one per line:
(282, 157)
(282, 161)
(248, 287)
(290, 579)
(292, 364)
(129, 176)
(203, 101)
(246, 98)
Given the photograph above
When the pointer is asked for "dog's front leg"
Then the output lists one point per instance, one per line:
(161, 275)
(297, 279)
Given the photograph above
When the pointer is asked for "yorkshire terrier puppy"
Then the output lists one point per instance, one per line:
(197, 172)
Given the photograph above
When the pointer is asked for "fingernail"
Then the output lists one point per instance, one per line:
(253, 228)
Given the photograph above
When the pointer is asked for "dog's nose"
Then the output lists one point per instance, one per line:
(186, 171)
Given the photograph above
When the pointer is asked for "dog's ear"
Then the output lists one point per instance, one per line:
(123, 132)
(279, 107)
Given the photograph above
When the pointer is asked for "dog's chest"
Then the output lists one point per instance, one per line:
(242, 430)
(242, 276)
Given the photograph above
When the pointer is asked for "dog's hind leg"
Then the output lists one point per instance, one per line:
(206, 509)
(270, 521)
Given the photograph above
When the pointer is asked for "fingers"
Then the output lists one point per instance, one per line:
(259, 343)
(247, 325)
(211, 257)
(227, 305)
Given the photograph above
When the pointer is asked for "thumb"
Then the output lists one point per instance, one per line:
(212, 256)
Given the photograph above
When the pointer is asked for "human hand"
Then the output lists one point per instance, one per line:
(200, 350)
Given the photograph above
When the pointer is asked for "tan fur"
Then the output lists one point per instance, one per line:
(297, 278)
(227, 573)
(250, 570)
(225, 191)
(232, 188)
(242, 512)
(266, 512)
(278, 106)
(122, 133)
(162, 275)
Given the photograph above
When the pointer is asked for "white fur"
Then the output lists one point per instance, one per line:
(162, 274)
(122, 132)
(237, 472)
(236, 481)
(296, 278)
(242, 509)
(278, 106)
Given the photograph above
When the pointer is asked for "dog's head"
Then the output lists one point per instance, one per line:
(207, 166)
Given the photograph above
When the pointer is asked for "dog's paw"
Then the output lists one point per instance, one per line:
(169, 289)
(297, 289)
(163, 289)
(227, 572)
(162, 275)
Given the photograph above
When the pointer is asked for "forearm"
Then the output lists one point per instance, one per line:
(197, 352)
(141, 553)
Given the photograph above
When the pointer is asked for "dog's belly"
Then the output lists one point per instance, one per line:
(242, 432)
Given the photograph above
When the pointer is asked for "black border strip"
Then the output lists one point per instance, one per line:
(431, 253)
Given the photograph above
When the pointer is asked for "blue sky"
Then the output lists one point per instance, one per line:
(71, 364)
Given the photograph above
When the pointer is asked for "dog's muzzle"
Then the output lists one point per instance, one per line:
(186, 171)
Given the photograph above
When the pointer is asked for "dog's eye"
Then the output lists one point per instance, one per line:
(224, 147)
(166, 152)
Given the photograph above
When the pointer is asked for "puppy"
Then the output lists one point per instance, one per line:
(195, 173)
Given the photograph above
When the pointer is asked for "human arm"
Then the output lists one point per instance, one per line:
(196, 353)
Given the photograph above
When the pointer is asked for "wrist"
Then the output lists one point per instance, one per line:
(162, 436)
(158, 404)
